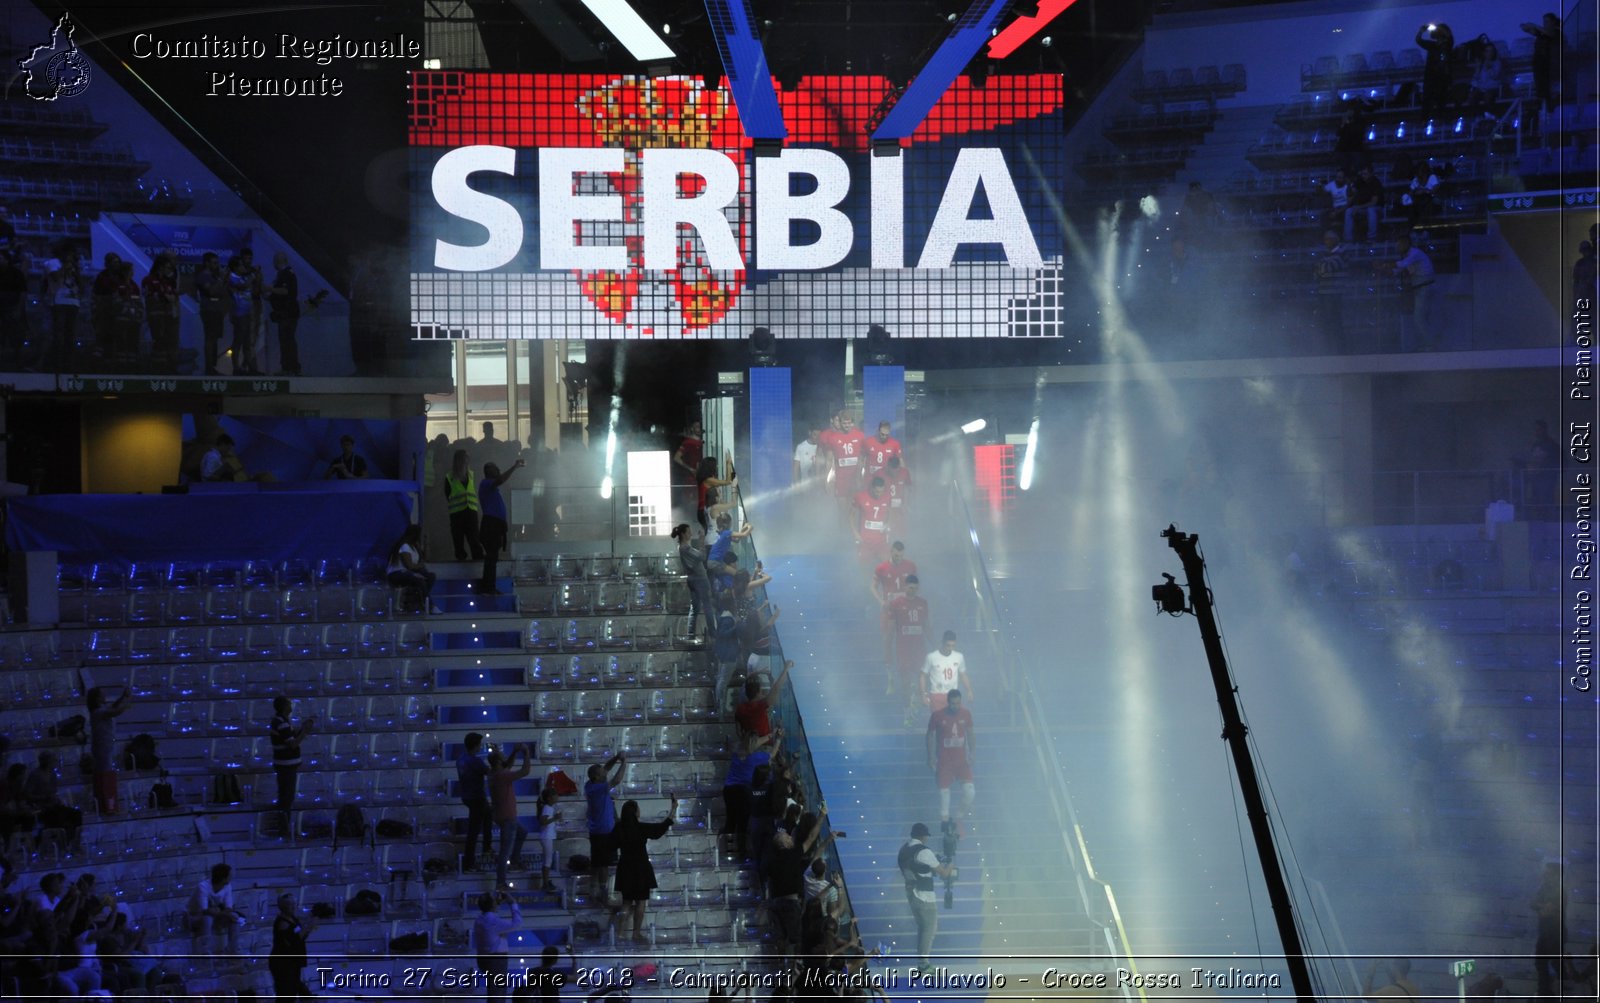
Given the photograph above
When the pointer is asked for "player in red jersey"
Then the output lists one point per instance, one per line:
(889, 577)
(897, 483)
(879, 448)
(951, 750)
(872, 523)
(907, 615)
(845, 443)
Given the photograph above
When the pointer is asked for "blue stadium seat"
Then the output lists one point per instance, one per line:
(384, 713)
(224, 606)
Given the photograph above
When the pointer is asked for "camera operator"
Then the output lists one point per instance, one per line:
(919, 865)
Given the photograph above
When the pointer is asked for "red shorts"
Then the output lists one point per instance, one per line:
(953, 766)
(846, 481)
(936, 702)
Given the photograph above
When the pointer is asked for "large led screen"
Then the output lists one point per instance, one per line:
(629, 207)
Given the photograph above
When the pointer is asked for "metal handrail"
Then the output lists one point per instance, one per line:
(793, 723)
(1026, 703)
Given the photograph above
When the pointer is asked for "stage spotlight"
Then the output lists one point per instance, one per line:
(1169, 596)
(1047, 41)
(763, 347)
(970, 428)
(1025, 475)
(974, 426)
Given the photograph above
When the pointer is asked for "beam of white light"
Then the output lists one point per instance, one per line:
(624, 22)
(1025, 477)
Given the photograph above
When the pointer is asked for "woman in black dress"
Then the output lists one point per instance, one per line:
(635, 875)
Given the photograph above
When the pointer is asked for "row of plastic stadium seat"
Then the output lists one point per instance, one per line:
(655, 633)
(223, 606)
(572, 599)
(1361, 66)
(120, 576)
(265, 641)
(595, 567)
(1228, 78)
(158, 680)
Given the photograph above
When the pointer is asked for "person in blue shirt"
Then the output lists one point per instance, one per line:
(494, 526)
(473, 773)
(602, 820)
(723, 544)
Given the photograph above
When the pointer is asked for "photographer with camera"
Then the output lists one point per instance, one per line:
(489, 939)
(1438, 43)
(919, 865)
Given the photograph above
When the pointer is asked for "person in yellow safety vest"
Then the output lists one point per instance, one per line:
(461, 494)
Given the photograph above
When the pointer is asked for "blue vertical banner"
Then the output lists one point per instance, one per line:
(883, 391)
(771, 431)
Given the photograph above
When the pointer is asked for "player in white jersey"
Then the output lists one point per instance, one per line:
(942, 671)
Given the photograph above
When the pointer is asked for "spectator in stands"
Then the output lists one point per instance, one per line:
(161, 309)
(1351, 141)
(1549, 909)
(1329, 271)
(710, 506)
(489, 940)
(692, 559)
(286, 739)
(102, 744)
(211, 291)
(240, 278)
(1185, 278)
(754, 715)
(1365, 198)
(127, 317)
(755, 618)
(635, 874)
(257, 282)
(8, 231)
(495, 529)
(1198, 215)
(13, 306)
(549, 816)
(722, 545)
(41, 795)
(211, 911)
(408, 573)
(1414, 269)
(1548, 61)
(1338, 193)
(1438, 46)
(472, 773)
(49, 891)
(63, 288)
(461, 495)
(1541, 468)
(283, 298)
(503, 777)
(1488, 77)
(750, 752)
(1585, 275)
(347, 466)
(785, 866)
(288, 958)
(686, 459)
(602, 821)
(77, 968)
(1419, 195)
(1388, 979)
(15, 815)
(103, 306)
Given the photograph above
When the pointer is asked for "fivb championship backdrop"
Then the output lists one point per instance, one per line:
(625, 207)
